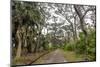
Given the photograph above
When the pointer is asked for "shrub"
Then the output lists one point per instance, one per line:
(70, 47)
(92, 46)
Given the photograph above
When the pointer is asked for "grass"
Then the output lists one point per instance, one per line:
(40, 60)
(23, 60)
(71, 56)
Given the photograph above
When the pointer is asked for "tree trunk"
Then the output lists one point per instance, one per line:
(75, 28)
(35, 48)
(81, 18)
(18, 54)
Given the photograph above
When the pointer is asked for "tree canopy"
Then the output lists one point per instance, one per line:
(37, 27)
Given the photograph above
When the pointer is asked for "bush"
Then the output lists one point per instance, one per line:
(92, 46)
(80, 47)
(69, 47)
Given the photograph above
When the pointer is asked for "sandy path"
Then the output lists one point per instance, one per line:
(54, 57)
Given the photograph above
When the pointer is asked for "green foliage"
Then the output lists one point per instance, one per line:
(77, 46)
(26, 16)
(28, 20)
(81, 35)
(69, 46)
(81, 48)
(92, 46)
(26, 10)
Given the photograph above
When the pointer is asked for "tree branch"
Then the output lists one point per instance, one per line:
(87, 12)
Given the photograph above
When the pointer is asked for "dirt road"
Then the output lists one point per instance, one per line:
(53, 57)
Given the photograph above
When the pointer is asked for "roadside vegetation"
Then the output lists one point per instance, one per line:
(39, 29)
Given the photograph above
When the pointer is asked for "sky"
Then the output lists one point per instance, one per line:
(61, 19)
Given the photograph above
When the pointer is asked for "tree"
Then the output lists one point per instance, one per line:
(26, 19)
(81, 18)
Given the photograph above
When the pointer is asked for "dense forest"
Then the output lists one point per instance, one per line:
(40, 30)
